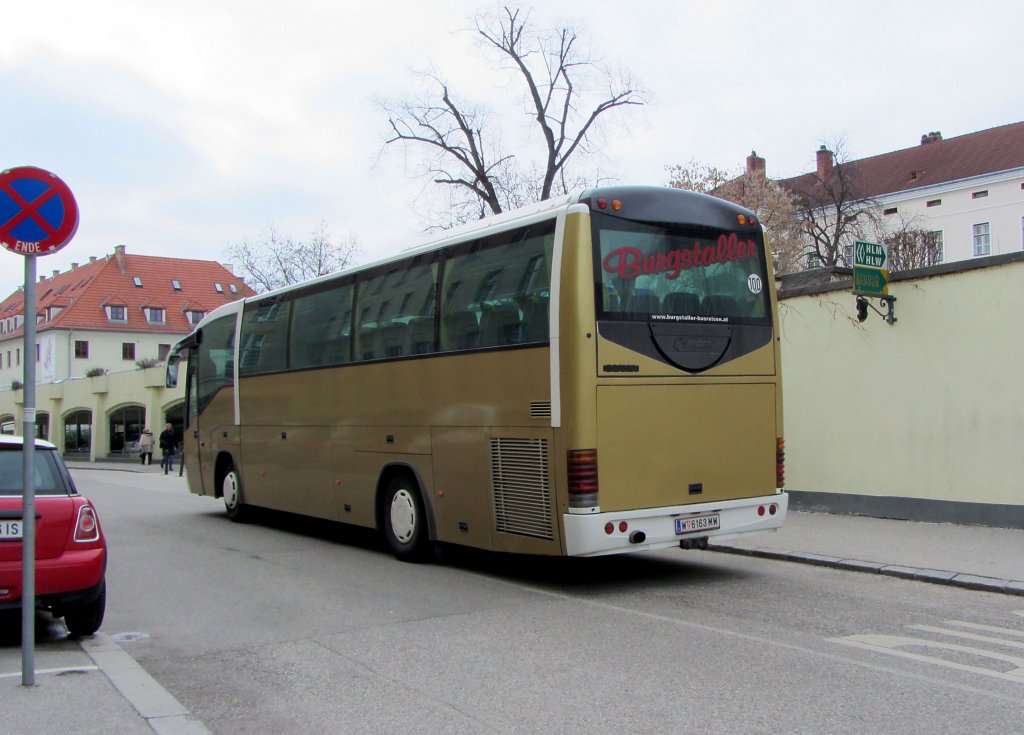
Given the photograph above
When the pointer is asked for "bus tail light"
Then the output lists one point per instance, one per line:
(582, 466)
(780, 462)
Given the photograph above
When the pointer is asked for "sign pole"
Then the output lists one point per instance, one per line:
(28, 513)
(40, 217)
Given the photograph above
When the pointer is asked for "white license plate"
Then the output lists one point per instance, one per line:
(10, 530)
(693, 524)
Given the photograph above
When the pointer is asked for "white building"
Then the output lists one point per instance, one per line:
(968, 189)
(110, 317)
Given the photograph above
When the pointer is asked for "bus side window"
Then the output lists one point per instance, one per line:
(265, 337)
(320, 327)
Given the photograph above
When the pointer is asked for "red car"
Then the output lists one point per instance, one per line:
(71, 553)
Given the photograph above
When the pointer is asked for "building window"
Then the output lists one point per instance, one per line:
(218, 288)
(156, 315)
(933, 202)
(980, 194)
(940, 247)
(127, 350)
(137, 281)
(233, 287)
(890, 210)
(195, 316)
(982, 239)
(118, 313)
(82, 349)
(176, 285)
(162, 351)
(17, 356)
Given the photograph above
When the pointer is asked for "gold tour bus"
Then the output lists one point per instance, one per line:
(595, 374)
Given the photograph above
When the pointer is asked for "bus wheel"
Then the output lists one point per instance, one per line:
(231, 488)
(405, 521)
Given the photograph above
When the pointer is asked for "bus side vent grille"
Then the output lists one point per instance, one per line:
(540, 410)
(522, 487)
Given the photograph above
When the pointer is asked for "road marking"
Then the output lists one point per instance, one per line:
(987, 628)
(816, 653)
(896, 645)
(58, 672)
(891, 644)
(968, 636)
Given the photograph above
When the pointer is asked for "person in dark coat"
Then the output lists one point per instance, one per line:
(167, 447)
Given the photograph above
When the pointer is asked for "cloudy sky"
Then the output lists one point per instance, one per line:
(182, 127)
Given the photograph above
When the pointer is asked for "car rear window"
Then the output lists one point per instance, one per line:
(48, 477)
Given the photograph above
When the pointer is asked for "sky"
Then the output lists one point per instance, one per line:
(185, 127)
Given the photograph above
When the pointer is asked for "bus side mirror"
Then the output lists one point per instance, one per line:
(171, 377)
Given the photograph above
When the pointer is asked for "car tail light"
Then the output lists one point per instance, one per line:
(780, 462)
(87, 528)
(582, 478)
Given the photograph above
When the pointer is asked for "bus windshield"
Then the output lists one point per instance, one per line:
(676, 273)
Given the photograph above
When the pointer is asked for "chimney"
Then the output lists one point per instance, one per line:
(824, 163)
(755, 165)
(92, 258)
(933, 137)
(42, 279)
(56, 273)
(74, 266)
(119, 256)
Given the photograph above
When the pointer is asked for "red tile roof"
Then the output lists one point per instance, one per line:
(935, 162)
(84, 291)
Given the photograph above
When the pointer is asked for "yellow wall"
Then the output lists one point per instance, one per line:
(101, 395)
(929, 408)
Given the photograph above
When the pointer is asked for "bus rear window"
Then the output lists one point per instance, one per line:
(674, 273)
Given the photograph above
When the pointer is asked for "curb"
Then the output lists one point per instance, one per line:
(161, 711)
(933, 576)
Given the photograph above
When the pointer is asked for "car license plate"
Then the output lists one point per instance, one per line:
(10, 530)
(693, 524)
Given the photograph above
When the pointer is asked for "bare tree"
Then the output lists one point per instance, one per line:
(775, 206)
(697, 176)
(272, 260)
(831, 207)
(910, 245)
(462, 146)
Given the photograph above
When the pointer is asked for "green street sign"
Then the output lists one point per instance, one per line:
(870, 268)
(870, 280)
(870, 254)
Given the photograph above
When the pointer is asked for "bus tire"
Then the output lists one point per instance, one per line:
(231, 489)
(405, 520)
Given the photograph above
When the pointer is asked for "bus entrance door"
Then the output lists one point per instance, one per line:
(190, 441)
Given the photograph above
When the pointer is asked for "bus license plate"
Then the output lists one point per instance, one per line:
(10, 530)
(693, 524)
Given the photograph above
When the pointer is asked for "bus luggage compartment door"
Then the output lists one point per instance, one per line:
(661, 445)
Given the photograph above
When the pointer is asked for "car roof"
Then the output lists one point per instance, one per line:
(7, 440)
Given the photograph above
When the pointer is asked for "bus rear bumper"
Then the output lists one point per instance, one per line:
(657, 528)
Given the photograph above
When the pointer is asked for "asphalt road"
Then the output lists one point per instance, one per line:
(288, 625)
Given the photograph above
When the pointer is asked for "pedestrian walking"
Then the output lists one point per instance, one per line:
(146, 443)
(167, 448)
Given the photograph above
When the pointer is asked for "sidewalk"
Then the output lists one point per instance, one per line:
(121, 465)
(973, 557)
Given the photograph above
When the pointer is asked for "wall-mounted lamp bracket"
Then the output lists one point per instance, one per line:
(889, 315)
